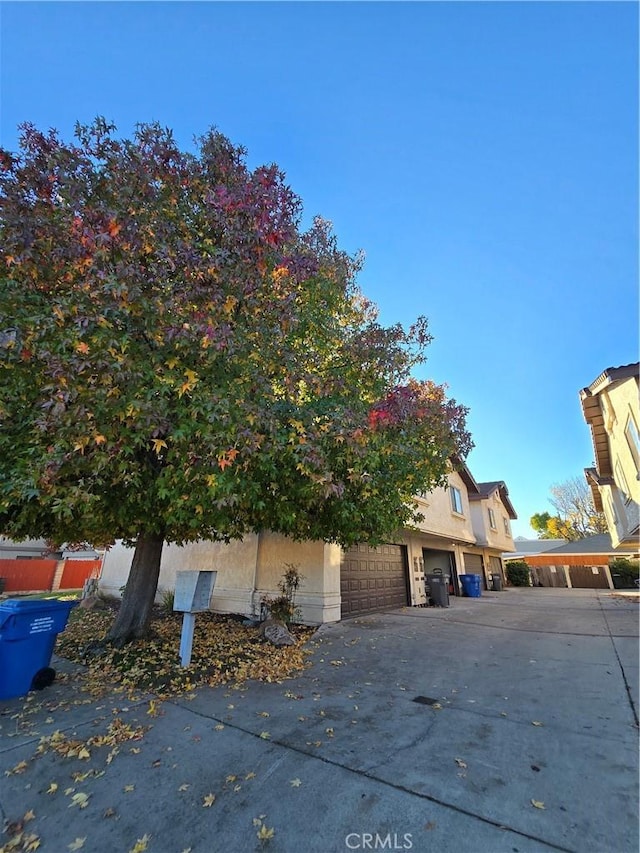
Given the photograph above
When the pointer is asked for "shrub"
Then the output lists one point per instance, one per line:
(282, 608)
(518, 573)
(627, 572)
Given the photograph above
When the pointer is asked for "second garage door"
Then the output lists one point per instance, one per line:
(372, 578)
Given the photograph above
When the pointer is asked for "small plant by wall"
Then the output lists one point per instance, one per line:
(518, 573)
(282, 607)
(167, 598)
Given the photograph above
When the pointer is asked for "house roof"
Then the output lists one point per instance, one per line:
(529, 547)
(594, 416)
(612, 375)
(485, 490)
(461, 468)
(598, 544)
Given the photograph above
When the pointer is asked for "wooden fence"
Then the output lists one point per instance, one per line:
(44, 575)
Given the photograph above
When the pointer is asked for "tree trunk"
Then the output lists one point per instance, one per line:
(134, 615)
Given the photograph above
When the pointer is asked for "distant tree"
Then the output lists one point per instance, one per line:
(576, 516)
(179, 361)
(540, 523)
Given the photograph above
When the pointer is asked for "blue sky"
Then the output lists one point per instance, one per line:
(483, 155)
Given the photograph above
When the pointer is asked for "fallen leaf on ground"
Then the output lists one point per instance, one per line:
(208, 801)
(295, 783)
(20, 767)
(460, 763)
(141, 844)
(536, 723)
(537, 804)
(80, 800)
(77, 844)
(265, 833)
(53, 787)
(265, 735)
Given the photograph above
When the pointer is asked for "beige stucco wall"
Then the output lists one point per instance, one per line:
(247, 571)
(318, 596)
(622, 501)
(440, 519)
(496, 538)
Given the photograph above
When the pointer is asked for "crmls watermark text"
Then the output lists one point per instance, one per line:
(376, 841)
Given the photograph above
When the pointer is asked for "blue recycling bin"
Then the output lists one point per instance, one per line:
(28, 631)
(471, 585)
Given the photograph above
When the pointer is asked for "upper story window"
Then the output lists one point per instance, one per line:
(507, 529)
(456, 499)
(633, 440)
(621, 482)
(492, 519)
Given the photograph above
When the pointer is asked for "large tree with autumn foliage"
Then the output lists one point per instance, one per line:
(180, 361)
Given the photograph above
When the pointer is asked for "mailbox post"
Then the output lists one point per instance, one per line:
(192, 595)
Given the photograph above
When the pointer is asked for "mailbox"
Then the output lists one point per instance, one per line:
(192, 595)
(193, 591)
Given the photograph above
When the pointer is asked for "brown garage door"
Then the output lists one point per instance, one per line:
(473, 564)
(372, 578)
(588, 577)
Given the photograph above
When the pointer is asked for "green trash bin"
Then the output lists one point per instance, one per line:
(28, 631)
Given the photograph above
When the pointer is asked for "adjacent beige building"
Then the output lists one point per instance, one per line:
(455, 537)
(611, 408)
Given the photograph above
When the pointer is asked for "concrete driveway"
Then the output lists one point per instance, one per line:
(504, 724)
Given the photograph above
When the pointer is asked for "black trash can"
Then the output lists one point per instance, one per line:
(439, 590)
(496, 582)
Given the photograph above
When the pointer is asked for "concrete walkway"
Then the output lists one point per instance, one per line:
(505, 724)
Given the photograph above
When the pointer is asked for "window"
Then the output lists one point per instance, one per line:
(621, 482)
(456, 500)
(633, 440)
(492, 519)
(507, 530)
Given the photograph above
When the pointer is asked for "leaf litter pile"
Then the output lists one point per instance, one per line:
(224, 651)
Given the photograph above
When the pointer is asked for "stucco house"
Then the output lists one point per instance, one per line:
(455, 537)
(611, 408)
